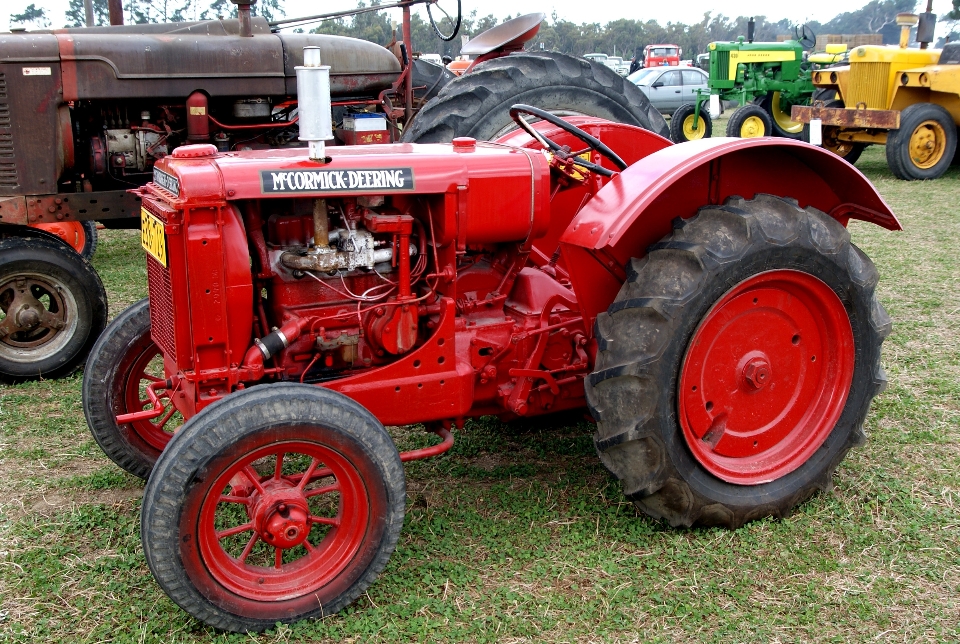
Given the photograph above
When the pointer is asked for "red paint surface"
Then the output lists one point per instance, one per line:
(766, 376)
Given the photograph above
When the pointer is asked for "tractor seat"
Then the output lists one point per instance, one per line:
(950, 54)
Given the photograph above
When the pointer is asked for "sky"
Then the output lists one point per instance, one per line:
(578, 11)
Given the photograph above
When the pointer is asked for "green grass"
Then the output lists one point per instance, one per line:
(519, 535)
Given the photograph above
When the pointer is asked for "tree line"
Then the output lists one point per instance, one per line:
(619, 37)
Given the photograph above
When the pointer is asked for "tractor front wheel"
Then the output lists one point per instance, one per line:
(682, 127)
(924, 146)
(737, 364)
(749, 121)
(274, 504)
(121, 365)
(52, 309)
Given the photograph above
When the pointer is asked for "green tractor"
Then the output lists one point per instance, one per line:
(766, 78)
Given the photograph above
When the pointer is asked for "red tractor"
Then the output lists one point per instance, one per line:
(702, 301)
(86, 113)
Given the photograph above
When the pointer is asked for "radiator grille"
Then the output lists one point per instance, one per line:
(868, 84)
(161, 305)
(8, 162)
(723, 64)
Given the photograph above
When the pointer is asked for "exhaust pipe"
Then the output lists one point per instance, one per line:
(243, 12)
(313, 102)
(116, 11)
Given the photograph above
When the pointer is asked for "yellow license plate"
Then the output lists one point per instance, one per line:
(152, 237)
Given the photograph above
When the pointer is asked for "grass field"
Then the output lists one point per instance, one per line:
(519, 535)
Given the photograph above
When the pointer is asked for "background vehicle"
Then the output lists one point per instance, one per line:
(901, 97)
(668, 88)
(727, 346)
(128, 95)
(764, 78)
(661, 55)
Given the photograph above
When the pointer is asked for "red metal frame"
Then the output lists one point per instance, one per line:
(501, 323)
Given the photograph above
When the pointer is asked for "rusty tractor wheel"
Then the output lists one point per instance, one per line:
(121, 365)
(924, 146)
(849, 151)
(737, 364)
(682, 128)
(275, 504)
(52, 309)
(478, 104)
(749, 122)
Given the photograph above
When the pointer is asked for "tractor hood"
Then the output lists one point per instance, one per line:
(174, 59)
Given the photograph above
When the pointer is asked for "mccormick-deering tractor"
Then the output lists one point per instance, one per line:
(907, 99)
(703, 301)
(86, 113)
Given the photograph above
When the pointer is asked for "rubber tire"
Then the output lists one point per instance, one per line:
(856, 149)
(53, 258)
(676, 123)
(105, 376)
(478, 104)
(767, 104)
(216, 430)
(92, 239)
(742, 113)
(643, 337)
(898, 142)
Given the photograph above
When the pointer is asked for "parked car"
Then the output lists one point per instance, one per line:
(669, 87)
(617, 64)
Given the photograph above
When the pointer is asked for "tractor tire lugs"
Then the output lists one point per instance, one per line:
(644, 337)
(478, 103)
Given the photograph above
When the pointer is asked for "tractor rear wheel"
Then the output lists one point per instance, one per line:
(681, 124)
(749, 121)
(780, 117)
(52, 309)
(122, 363)
(924, 146)
(737, 364)
(274, 504)
(478, 104)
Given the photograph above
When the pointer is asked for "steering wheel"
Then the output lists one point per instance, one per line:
(808, 39)
(592, 142)
(455, 23)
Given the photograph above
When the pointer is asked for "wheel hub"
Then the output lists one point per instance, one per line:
(27, 318)
(927, 144)
(756, 373)
(281, 516)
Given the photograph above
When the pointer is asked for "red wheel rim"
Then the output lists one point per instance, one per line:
(71, 232)
(157, 432)
(766, 377)
(286, 533)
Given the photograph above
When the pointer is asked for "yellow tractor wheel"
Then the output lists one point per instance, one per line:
(924, 146)
(780, 115)
(682, 128)
(750, 121)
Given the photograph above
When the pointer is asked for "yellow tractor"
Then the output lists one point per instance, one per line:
(905, 98)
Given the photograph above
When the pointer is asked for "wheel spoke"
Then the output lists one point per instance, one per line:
(325, 520)
(306, 475)
(278, 559)
(249, 547)
(322, 490)
(53, 321)
(229, 498)
(229, 532)
(253, 476)
(278, 469)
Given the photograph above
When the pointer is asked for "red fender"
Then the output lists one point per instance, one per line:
(635, 209)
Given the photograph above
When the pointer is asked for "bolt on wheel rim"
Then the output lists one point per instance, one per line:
(766, 377)
(752, 127)
(691, 133)
(283, 521)
(38, 317)
(927, 144)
